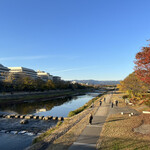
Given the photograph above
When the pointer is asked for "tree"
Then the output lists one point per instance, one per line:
(133, 85)
(142, 63)
(50, 85)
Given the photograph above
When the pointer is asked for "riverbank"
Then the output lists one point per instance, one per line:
(40, 96)
(68, 131)
(119, 131)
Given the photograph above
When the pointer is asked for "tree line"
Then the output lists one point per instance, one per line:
(26, 83)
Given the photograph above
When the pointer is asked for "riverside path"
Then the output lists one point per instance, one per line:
(88, 138)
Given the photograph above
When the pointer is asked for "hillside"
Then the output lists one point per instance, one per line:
(96, 82)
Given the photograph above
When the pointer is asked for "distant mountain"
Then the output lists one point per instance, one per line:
(96, 82)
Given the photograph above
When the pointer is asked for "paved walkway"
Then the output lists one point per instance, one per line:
(88, 138)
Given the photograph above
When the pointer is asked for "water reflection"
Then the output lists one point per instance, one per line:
(57, 107)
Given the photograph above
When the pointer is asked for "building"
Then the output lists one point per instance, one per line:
(23, 71)
(74, 82)
(44, 75)
(56, 78)
(3, 70)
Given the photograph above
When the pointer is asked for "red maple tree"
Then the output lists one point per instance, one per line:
(142, 63)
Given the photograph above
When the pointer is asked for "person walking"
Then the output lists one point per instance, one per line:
(116, 103)
(90, 119)
(112, 104)
(104, 99)
(100, 102)
(92, 105)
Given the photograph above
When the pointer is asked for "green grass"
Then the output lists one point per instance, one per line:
(47, 133)
(80, 109)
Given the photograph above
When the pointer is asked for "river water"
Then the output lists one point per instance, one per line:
(14, 136)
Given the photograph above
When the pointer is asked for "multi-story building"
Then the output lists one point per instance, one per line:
(44, 75)
(3, 72)
(23, 71)
(56, 78)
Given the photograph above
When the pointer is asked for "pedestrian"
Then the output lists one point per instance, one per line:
(112, 105)
(92, 105)
(104, 99)
(116, 103)
(100, 102)
(90, 119)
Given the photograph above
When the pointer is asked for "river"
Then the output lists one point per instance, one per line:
(14, 136)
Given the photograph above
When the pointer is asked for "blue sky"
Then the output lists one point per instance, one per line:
(74, 39)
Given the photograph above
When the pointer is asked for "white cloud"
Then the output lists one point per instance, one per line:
(22, 58)
(36, 57)
(71, 69)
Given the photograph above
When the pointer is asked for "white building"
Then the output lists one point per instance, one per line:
(44, 75)
(24, 71)
(3, 70)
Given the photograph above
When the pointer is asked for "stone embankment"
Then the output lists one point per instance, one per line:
(16, 116)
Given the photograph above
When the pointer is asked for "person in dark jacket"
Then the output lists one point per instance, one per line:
(90, 119)
(116, 103)
(104, 99)
(112, 104)
(100, 102)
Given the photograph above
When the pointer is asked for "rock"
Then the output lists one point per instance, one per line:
(35, 117)
(55, 118)
(22, 116)
(60, 118)
(4, 116)
(27, 117)
(41, 117)
(8, 116)
(50, 117)
(29, 133)
(22, 132)
(24, 121)
(13, 132)
(45, 118)
(3, 131)
(17, 116)
(12, 116)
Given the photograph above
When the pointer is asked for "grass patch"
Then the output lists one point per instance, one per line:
(80, 109)
(119, 135)
(47, 133)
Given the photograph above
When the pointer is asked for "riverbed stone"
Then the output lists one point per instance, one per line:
(55, 118)
(45, 118)
(35, 117)
(12, 116)
(8, 116)
(27, 117)
(22, 132)
(4, 116)
(24, 121)
(13, 132)
(60, 118)
(3, 131)
(22, 116)
(50, 117)
(41, 117)
(17, 116)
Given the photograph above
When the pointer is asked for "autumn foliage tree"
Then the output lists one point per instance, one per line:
(142, 63)
(133, 85)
